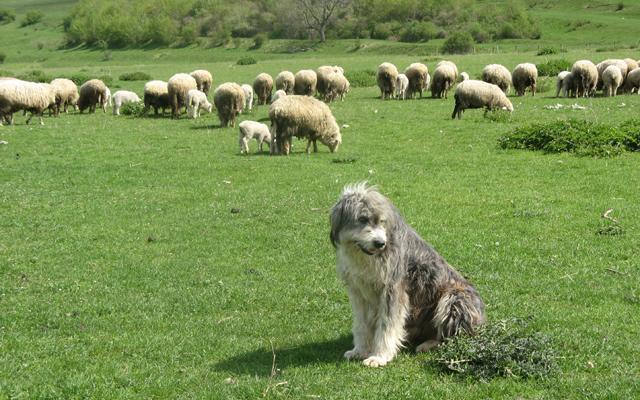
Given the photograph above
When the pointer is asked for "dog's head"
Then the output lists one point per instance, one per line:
(363, 218)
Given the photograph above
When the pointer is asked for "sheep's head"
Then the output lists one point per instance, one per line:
(208, 106)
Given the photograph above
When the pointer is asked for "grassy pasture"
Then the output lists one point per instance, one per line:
(124, 273)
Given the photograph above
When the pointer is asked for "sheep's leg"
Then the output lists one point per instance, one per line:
(315, 146)
(29, 119)
(308, 146)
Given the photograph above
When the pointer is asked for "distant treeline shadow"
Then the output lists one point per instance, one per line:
(259, 362)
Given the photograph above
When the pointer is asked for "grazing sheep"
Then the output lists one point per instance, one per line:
(17, 95)
(204, 80)
(285, 80)
(611, 80)
(498, 75)
(178, 87)
(569, 85)
(123, 97)
(66, 94)
(524, 76)
(632, 83)
(92, 93)
(303, 117)
(278, 94)
(606, 63)
(560, 81)
(229, 101)
(106, 100)
(402, 83)
(478, 94)
(386, 77)
(305, 82)
(253, 130)
(262, 87)
(631, 65)
(418, 76)
(196, 101)
(156, 95)
(444, 77)
(463, 77)
(337, 86)
(324, 74)
(248, 96)
(585, 78)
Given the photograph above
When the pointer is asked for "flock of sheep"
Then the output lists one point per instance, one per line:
(295, 111)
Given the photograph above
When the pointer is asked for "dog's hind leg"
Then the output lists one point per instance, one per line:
(459, 309)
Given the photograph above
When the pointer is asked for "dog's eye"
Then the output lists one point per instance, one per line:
(363, 220)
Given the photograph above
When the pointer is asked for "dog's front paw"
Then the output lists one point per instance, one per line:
(375, 361)
(353, 354)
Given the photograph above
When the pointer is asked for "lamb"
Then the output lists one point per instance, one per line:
(16, 95)
(560, 81)
(178, 87)
(285, 80)
(338, 86)
(444, 76)
(253, 130)
(585, 78)
(278, 94)
(498, 75)
(204, 80)
(418, 76)
(611, 80)
(66, 94)
(303, 117)
(106, 99)
(196, 101)
(248, 96)
(402, 83)
(156, 95)
(606, 63)
(229, 101)
(92, 93)
(262, 87)
(463, 77)
(569, 85)
(386, 77)
(305, 82)
(632, 83)
(524, 76)
(123, 97)
(478, 94)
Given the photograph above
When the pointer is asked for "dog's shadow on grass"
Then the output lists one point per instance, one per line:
(261, 362)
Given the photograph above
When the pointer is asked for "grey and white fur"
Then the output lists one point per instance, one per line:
(401, 290)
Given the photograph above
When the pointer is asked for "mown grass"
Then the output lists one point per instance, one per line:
(124, 272)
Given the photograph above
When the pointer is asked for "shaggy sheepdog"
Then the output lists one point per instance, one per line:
(400, 289)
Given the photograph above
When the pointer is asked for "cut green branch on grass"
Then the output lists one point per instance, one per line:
(503, 348)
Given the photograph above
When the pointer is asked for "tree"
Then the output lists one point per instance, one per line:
(318, 15)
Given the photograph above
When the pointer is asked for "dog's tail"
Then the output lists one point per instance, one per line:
(459, 309)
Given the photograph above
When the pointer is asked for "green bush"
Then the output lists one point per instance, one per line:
(363, 78)
(79, 78)
(553, 67)
(505, 348)
(246, 61)
(35, 75)
(384, 31)
(545, 51)
(133, 109)
(458, 43)
(418, 31)
(31, 18)
(579, 137)
(135, 76)
(7, 15)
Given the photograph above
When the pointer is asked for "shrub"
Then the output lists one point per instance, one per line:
(479, 34)
(31, 18)
(504, 348)
(259, 40)
(79, 78)
(363, 78)
(547, 51)
(384, 31)
(3, 57)
(418, 31)
(135, 76)
(133, 109)
(579, 137)
(7, 15)
(553, 67)
(246, 61)
(458, 43)
(35, 75)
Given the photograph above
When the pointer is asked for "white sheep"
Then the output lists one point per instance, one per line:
(196, 101)
(123, 97)
(323, 74)
(386, 78)
(611, 80)
(178, 87)
(402, 83)
(464, 76)
(337, 87)
(600, 67)
(418, 76)
(204, 80)
(584, 77)
(285, 80)
(66, 94)
(229, 101)
(479, 94)
(498, 75)
(278, 94)
(156, 95)
(92, 93)
(253, 130)
(524, 75)
(305, 82)
(303, 117)
(106, 99)
(632, 83)
(444, 76)
(248, 96)
(560, 80)
(262, 87)
(17, 95)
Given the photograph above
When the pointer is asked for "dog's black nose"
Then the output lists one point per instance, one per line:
(379, 244)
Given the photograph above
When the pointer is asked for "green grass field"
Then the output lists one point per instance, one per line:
(124, 273)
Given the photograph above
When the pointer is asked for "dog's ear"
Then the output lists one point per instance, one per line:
(336, 221)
